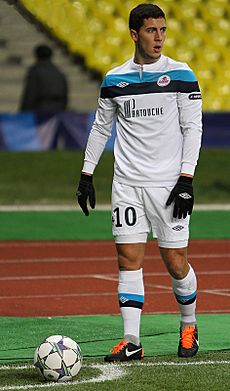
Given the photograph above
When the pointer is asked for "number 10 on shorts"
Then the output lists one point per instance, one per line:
(127, 216)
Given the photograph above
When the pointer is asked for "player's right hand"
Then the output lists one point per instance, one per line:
(182, 195)
(86, 191)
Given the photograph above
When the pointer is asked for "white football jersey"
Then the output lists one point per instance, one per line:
(158, 113)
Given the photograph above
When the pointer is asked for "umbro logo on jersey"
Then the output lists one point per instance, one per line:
(163, 81)
(122, 84)
(178, 228)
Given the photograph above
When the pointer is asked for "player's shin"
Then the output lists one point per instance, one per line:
(185, 293)
(131, 299)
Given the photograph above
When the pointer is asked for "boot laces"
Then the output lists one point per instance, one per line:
(117, 348)
(188, 337)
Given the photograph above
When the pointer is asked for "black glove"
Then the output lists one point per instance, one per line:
(86, 190)
(182, 194)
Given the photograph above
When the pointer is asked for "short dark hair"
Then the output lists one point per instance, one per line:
(43, 52)
(144, 11)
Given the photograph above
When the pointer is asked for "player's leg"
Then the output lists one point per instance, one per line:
(130, 229)
(184, 285)
(131, 300)
(172, 236)
(131, 288)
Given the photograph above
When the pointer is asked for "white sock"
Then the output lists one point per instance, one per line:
(131, 299)
(185, 293)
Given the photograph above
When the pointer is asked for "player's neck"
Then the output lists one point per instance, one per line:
(138, 59)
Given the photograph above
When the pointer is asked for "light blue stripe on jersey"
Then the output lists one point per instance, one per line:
(147, 77)
(186, 298)
(130, 296)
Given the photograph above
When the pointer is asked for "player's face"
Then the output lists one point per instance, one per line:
(149, 40)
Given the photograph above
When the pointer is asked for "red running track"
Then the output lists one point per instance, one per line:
(58, 278)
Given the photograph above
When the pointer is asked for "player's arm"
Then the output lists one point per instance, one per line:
(190, 116)
(99, 135)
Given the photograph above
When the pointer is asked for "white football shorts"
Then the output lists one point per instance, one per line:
(137, 211)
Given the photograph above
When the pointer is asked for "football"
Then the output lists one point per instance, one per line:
(58, 358)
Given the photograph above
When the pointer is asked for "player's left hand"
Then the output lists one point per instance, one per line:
(182, 195)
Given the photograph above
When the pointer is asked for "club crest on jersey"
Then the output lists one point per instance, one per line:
(163, 81)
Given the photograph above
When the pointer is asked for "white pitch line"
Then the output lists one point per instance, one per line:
(209, 256)
(168, 288)
(100, 207)
(54, 243)
(132, 364)
(221, 292)
(46, 296)
(109, 373)
(50, 277)
(108, 277)
(55, 296)
(105, 277)
(165, 290)
(203, 272)
(216, 292)
(178, 364)
(49, 208)
(17, 367)
(57, 260)
(104, 259)
(80, 243)
(217, 311)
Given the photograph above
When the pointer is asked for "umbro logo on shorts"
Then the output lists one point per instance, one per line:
(178, 228)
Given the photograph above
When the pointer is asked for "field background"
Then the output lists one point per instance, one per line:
(58, 268)
(30, 183)
(51, 177)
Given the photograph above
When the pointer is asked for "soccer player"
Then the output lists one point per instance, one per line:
(157, 104)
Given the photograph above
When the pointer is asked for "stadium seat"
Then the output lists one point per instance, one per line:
(198, 33)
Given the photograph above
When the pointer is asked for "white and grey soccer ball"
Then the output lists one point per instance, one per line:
(58, 358)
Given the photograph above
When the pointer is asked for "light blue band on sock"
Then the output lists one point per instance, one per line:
(186, 299)
(130, 296)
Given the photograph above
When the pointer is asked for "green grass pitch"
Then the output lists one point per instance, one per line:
(209, 372)
(161, 370)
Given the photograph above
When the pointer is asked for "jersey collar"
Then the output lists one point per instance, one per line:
(148, 67)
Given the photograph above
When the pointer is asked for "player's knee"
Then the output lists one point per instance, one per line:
(128, 264)
(178, 270)
(176, 262)
(130, 256)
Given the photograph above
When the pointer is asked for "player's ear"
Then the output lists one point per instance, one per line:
(134, 35)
